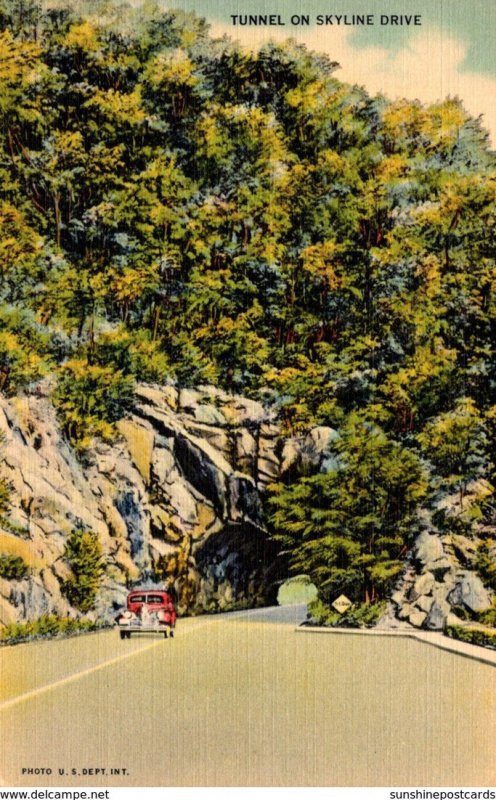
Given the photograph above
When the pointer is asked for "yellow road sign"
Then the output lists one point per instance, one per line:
(342, 603)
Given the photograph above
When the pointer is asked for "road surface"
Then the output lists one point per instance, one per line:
(243, 700)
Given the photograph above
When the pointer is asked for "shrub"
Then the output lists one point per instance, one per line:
(45, 626)
(12, 567)
(488, 617)
(5, 489)
(480, 636)
(362, 616)
(24, 350)
(4, 498)
(90, 398)
(347, 531)
(133, 353)
(486, 563)
(84, 554)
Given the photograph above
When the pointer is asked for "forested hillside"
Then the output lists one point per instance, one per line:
(176, 209)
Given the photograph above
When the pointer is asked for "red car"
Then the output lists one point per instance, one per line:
(148, 610)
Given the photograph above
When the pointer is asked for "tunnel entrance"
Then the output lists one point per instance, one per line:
(239, 567)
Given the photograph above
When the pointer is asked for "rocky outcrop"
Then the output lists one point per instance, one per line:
(439, 585)
(175, 499)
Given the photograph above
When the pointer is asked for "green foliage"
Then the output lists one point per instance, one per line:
(363, 616)
(133, 353)
(479, 636)
(454, 441)
(5, 491)
(295, 232)
(24, 350)
(12, 567)
(84, 553)
(90, 398)
(4, 497)
(175, 207)
(296, 590)
(485, 563)
(488, 617)
(348, 528)
(45, 626)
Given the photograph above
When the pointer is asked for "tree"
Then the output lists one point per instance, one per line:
(90, 398)
(349, 528)
(84, 553)
(455, 443)
(175, 207)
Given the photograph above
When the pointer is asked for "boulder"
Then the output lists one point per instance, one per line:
(246, 450)
(464, 547)
(422, 586)
(290, 455)
(417, 618)
(188, 399)
(424, 603)
(244, 500)
(471, 593)
(182, 501)
(428, 549)
(160, 396)
(317, 445)
(437, 616)
(209, 415)
(267, 468)
(406, 610)
(398, 597)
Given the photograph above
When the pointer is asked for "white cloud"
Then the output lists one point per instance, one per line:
(427, 68)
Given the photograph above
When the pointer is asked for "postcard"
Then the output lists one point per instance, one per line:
(247, 394)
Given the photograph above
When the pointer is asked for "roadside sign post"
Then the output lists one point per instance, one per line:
(342, 604)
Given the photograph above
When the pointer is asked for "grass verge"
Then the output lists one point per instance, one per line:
(46, 626)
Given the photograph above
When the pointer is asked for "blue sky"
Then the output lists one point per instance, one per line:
(453, 52)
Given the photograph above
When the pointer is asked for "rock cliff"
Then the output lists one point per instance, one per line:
(175, 499)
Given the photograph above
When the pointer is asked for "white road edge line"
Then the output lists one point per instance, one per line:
(21, 698)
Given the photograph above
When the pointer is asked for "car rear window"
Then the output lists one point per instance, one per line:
(155, 598)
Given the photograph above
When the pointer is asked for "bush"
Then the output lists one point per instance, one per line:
(362, 616)
(133, 353)
(5, 489)
(478, 636)
(486, 563)
(4, 498)
(46, 626)
(84, 554)
(12, 567)
(89, 399)
(488, 617)
(24, 350)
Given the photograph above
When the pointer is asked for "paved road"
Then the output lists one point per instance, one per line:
(241, 699)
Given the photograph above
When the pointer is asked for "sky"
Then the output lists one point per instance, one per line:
(452, 52)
